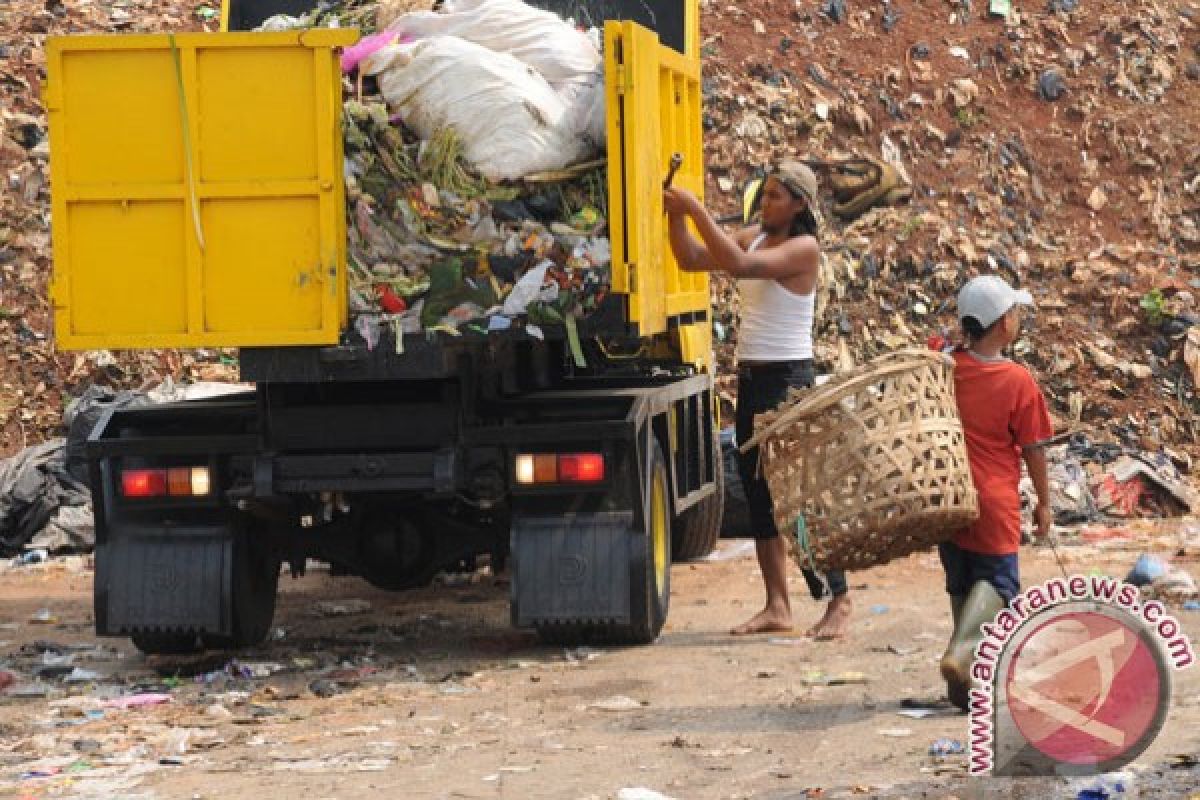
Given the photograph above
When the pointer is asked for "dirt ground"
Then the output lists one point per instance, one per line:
(431, 694)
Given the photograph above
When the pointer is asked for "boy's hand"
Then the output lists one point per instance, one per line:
(1042, 517)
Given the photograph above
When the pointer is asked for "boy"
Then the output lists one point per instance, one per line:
(1005, 420)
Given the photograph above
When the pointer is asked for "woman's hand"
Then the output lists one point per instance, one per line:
(680, 201)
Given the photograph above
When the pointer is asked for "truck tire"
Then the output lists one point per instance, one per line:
(254, 586)
(166, 644)
(649, 573)
(694, 533)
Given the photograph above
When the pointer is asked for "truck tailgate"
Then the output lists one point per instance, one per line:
(197, 189)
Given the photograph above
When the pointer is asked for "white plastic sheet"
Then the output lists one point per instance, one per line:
(541, 39)
(511, 122)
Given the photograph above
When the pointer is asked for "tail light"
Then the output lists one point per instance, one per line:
(542, 468)
(170, 482)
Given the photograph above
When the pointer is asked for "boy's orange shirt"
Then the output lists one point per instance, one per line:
(1002, 411)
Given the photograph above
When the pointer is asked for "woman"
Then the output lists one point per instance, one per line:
(776, 264)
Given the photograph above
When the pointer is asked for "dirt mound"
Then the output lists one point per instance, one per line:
(36, 381)
(1090, 199)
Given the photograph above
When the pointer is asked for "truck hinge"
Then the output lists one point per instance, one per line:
(622, 80)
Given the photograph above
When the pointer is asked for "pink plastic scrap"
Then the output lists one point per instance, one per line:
(367, 46)
(138, 700)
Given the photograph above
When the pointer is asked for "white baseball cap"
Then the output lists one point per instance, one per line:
(988, 298)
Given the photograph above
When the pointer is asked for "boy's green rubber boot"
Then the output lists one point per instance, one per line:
(979, 607)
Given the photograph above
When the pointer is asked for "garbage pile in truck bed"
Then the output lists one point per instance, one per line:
(476, 189)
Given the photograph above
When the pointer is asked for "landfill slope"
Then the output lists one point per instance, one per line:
(1092, 200)
(35, 381)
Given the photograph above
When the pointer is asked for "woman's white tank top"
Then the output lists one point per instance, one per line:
(776, 323)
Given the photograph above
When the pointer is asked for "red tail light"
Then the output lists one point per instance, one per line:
(542, 468)
(581, 468)
(144, 482)
(174, 481)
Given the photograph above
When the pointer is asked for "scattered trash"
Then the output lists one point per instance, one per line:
(1051, 85)
(29, 557)
(342, 608)
(879, 609)
(639, 793)
(618, 703)
(7, 679)
(947, 747)
(1146, 570)
(895, 733)
(818, 678)
(1110, 786)
(1175, 586)
(43, 616)
(143, 700)
(742, 549)
(835, 10)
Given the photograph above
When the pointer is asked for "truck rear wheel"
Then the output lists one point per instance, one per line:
(694, 533)
(166, 644)
(649, 574)
(254, 586)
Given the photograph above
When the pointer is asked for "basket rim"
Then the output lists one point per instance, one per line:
(819, 398)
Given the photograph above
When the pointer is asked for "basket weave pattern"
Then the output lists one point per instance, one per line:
(875, 462)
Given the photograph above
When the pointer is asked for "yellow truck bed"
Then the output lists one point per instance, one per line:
(198, 198)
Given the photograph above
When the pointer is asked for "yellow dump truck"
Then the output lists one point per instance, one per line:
(198, 201)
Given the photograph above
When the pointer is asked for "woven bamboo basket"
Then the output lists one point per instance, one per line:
(870, 467)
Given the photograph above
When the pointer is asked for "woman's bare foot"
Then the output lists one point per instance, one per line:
(769, 620)
(835, 622)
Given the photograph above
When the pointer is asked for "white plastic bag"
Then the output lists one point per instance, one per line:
(585, 102)
(538, 38)
(511, 122)
(527, 290)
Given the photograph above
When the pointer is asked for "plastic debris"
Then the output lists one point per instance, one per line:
(639, 793)
(1110, 786)
(342, 608)
(947, 747)
(618, 703)
(1146, 570)
(1051, 85)
(143, 700)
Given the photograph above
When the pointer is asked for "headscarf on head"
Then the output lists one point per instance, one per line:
(800, 181)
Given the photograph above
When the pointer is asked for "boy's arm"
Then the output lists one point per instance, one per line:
(1035, 460)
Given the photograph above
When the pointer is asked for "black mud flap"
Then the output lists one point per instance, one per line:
(165, 580)
(574, 569)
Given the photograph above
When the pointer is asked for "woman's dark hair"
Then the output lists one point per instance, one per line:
(804, 224)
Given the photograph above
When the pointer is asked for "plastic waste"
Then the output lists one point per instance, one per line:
(527, 290)
(541, 39)
(641, 793)
(1118, 785)
(1146, 570)
(138, 700)
(511, 122)
(38, 556)
(947, 747)
(352, 56)
(283, 22)
(1051, 86)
